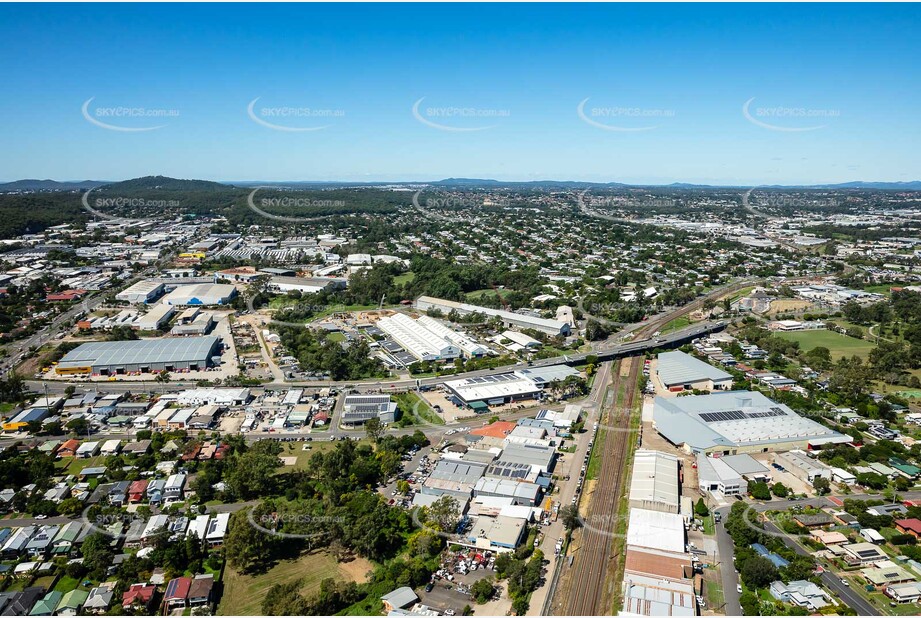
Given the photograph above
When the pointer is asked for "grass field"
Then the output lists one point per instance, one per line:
(296, 449)
(412, 401)
(676, 324)
(243, 594)
(404, 278)
(839, 345)
(474, 295)
(73, 465)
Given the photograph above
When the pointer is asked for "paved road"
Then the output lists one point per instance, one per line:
(728, 575)
(829, 580)
(730, 579)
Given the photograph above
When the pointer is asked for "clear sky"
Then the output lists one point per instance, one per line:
(503, 92)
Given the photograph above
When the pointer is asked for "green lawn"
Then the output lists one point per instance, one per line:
(883, 288)
(471, 296)
(296, 449)
(404, 278)
(594, 462)
(709, 525)
(714, 594)
(839, 345)
(412, 401)
(243, 594)
(73, 465)
(336, 337)
(676, 324)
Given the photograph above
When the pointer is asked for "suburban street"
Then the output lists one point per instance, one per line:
(730, 578)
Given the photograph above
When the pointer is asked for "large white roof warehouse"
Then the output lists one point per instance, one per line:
(417, 340)
(551, 327)
(680, 369)
(736, 422)
(656, 530)
(499, 388)
(145, 355)
(654, 485)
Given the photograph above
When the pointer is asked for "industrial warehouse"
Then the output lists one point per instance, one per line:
(497, 389)
(551, 327)
(144, 356)
(201, 294)
(735, 422)
(680, 371)
(427, 339)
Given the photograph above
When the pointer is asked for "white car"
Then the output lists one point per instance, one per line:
(739, 588)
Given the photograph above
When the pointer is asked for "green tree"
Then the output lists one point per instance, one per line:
(251, 473)
(443, 513)
(759, 490)
(700, 509)
(821, 485)
(247, 548)
(569, 514)
(482, 590)
(374, 429)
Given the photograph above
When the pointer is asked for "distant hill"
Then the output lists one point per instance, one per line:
(165, 183)
(521, 184)
(32, 184)
(914, 185)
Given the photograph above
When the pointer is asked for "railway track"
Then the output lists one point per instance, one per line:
(602, 521)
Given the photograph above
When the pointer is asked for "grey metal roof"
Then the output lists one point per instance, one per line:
(142, 352)
(733, 418)
(680, 368)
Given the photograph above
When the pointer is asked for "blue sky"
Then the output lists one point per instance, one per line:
(835, 89)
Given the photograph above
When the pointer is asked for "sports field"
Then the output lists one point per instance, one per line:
(839, 345)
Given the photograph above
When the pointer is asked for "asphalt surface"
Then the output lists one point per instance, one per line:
(730, 578)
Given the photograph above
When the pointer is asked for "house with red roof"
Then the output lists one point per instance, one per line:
(177, 592)
(139, 596)
(69, 448)
(909, 526)
(66, 296)
(137, 490)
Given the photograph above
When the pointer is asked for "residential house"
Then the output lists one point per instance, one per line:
(217, 528)
(88, 449)
(20, 603)
(99, 599)
(66, 538)
(172, 491)
(47, 604)
(137, 490)
(177, 593)
(801, 593)
(40, 543)
(72, 602)
(909, 526)
(68, 448)
(200, 590)
(118, 492)
(139, 597)
(904, 593)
